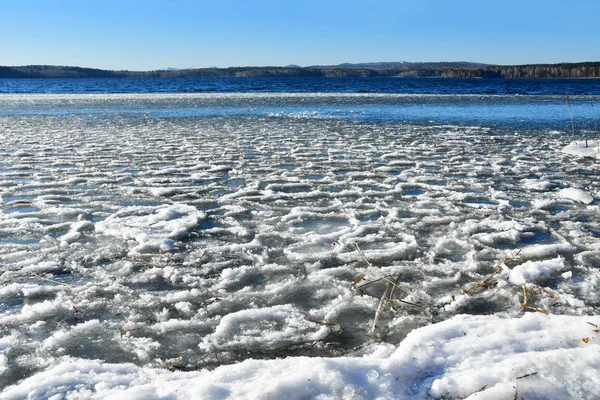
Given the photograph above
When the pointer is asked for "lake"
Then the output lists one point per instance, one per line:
(149, 225)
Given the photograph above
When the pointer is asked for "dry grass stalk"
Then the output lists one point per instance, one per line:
(126, 331)
(394, 287)
(571, 113)
(482, 283)
(52, 280)
(527, 306)
(526, 375)
(387, 298)
(360, 278)
(328, 323)
(517, 384)
(545, 291)
(385, 278)
(507, 260)
(394, 284)
(408, 303)
(379, 308)
(595, 125)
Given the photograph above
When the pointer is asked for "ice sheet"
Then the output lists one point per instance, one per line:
(245, 248)
(473, 357)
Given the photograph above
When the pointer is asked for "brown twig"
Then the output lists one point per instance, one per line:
(371, 265)
(483, 282)
(595, 125)
(571, 113)
(379, 308)
(388, 295)
(526, 375)
(528, 307)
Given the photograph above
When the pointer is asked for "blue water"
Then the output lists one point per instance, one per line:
(305, 85)
(521, 103)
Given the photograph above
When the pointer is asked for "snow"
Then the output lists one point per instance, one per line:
(581, 148)
(75, 232)
(153, 228)
(536, 271)
(578, 195)
(464, 357)
(164, 246)
(271, 327)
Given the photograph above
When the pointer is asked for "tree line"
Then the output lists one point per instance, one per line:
(442, 69)
(578, 70)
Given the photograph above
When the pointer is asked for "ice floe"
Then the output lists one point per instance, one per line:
(148, 254)
(583, 148)
(574, 194)
(152, 228)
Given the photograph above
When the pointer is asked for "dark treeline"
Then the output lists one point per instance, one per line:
(405, 69)
(576, 70)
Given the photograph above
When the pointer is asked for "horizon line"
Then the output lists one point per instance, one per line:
(340, 65)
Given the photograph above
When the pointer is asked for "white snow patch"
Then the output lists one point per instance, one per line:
(153, 228)
(451, 359)
(536, 271)
(538, 185)
(75, 232)
(546, 250)
(574, 194)
(265, 328)
(580, 149)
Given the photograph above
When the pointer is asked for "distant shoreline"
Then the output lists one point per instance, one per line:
(396, 70)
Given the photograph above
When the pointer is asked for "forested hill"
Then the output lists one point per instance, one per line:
(576, 70)
(391, 69)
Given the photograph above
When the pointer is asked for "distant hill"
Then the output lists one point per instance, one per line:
(563, 70)
(405, 65)
(399, 69)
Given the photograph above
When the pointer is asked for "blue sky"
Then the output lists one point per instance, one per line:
(146, 35)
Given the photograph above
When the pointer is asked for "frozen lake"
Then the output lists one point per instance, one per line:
(190, 231)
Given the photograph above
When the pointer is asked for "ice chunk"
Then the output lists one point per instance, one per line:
(578, 195)
(74, 232)
(538, 185)
(153, 228)
(591, 149)
(265, 328)
(546, 250)
(536, 271)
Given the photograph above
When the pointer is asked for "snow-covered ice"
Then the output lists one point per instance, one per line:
(148, 250)
(576, 195)
(582, 148)
(474, 357)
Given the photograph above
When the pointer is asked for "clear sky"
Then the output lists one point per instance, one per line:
(152, 34)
